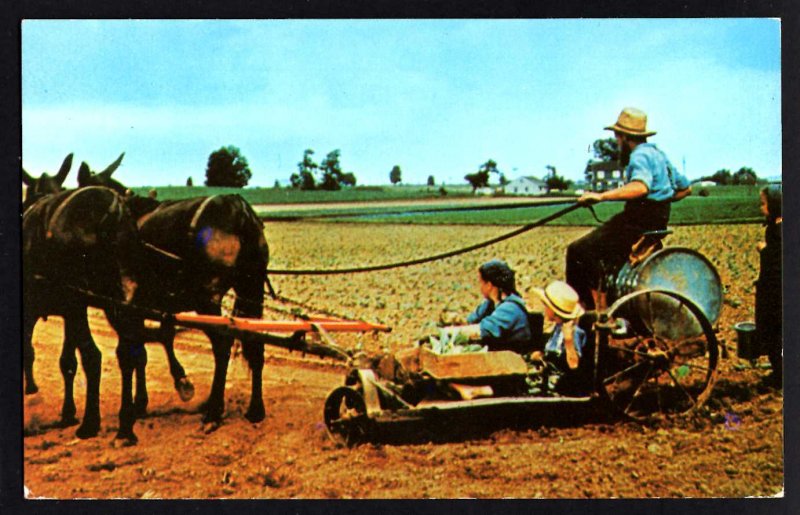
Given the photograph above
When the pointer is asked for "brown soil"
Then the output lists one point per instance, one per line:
(731, 449)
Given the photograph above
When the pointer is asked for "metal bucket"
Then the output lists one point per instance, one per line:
(746, 343)
(680, 270)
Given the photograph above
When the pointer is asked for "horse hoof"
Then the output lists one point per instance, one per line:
(140, 411)
(185, 389)
(255, 415)
(210, 427)
(68, 422)
(31, 389)
(121, 440)
(87, 431)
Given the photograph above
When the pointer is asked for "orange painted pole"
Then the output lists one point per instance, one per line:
(277, 326)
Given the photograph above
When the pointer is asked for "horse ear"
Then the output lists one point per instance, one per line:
(64, 170)
(84, 175)
(113, 166)
(27, 179)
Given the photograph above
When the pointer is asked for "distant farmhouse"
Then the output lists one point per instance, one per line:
(603, 175)
(526, 186)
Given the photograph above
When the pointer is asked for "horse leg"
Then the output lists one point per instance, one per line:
(183, 386)
(141, 399)
(130, 354)
(254, 353)
(69, 366)
(76, 329)
(249, 290)
(221, 346)
(28, 354)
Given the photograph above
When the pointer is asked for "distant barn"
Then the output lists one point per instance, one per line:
(526, 186)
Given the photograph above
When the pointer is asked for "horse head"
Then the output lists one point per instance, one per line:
(138, 205)
(38, 187)
(86, 177)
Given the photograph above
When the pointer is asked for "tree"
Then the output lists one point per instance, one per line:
(348, 179)
(721, 177)
(502, 179)
(396, 175)
(431, 181)
(189, 182)
(305, 179)
(555, 181)
(606, 149)
(227, 167)
(331, 172)
(277, 184)
(745, 175)
(480, 179)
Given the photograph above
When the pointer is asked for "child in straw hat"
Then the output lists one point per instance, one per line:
(561, 307)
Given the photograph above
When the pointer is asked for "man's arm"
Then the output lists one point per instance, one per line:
(681, 194)
(630, 191)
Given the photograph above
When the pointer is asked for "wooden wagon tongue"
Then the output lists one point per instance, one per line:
(277, 326)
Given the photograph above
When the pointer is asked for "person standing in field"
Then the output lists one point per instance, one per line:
(769, 297)
(651, 184)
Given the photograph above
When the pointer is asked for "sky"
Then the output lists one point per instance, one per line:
(435, 97)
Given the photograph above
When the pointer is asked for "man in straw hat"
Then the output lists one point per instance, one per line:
(651, 184)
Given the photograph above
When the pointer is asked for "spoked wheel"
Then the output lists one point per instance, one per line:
(664, 361)
(346, 416)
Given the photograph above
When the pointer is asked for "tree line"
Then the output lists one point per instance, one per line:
(228, 167)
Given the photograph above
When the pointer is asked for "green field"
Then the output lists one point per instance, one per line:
(292, 196)
(724, 204)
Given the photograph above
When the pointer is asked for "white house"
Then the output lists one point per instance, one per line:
(526, 186)
(704, 184)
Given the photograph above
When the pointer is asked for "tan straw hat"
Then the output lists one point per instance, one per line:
(561, 298)
(631, 121)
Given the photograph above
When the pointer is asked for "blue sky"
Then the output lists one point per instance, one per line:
(436, 97)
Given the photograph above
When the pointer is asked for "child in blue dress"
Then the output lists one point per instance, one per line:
(564, 349)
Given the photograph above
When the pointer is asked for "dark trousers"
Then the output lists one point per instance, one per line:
(769, 324)
(603, 251)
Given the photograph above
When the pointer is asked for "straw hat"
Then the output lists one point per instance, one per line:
(561, 298)
(631, 121)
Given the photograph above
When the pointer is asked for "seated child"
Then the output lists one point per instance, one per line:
(563, 350)
(500, 322)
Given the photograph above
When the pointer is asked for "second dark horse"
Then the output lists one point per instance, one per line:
(200, 248)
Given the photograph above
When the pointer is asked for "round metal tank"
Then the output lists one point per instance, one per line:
(681, 270)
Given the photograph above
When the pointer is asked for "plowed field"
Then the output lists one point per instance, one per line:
(733, 448)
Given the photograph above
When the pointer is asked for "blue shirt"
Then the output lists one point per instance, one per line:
(650, 166)
(505, 323)
(554, 348)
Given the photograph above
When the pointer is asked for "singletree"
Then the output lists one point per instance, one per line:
(227, 167)
(189, 182)
(431, 181)
(396, 175)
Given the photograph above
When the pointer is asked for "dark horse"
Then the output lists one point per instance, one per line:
(73, 242)
(200, 248)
